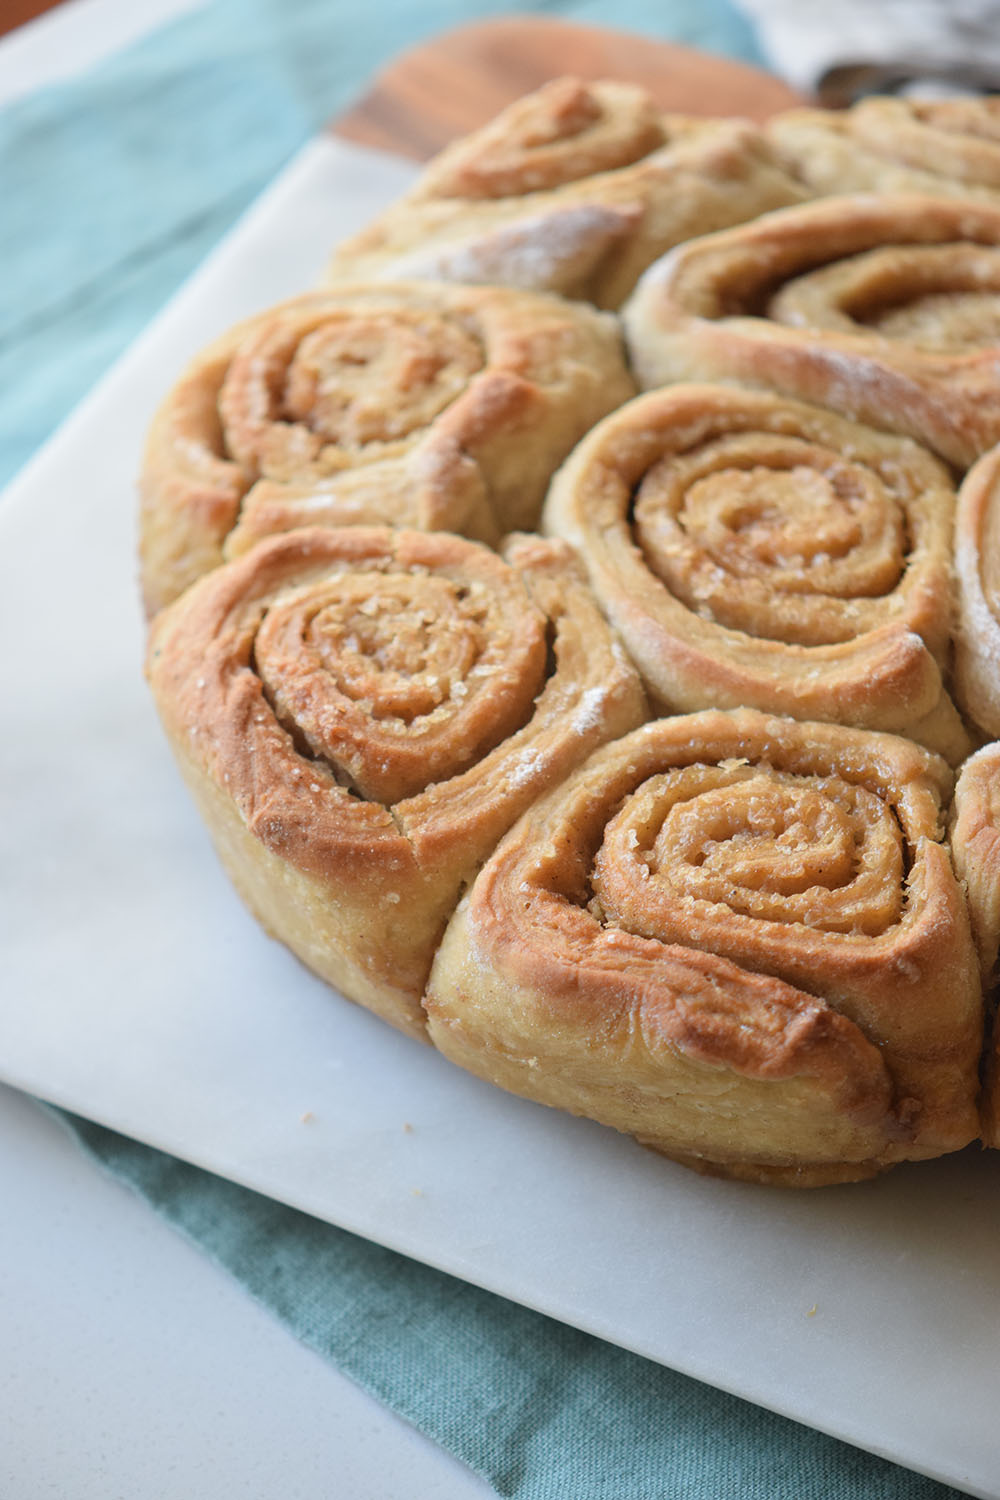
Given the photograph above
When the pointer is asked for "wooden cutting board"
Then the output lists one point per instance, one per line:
(14, 13)
(457, 81)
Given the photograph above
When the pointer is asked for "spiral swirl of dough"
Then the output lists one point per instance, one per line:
(884, 308)
(562, 132)
(575, 188)
(736, 937)
(361, 713)
(894, 145)
(399, 679)
(761, 552)
(442, 408)
(304, 391)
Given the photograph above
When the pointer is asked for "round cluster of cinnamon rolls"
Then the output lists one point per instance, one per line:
(578, 621)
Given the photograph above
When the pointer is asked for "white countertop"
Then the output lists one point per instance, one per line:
(132, 1367)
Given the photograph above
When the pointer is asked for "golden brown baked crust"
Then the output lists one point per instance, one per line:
(362, 713)
(894, 145)
(884, 308)
(977, 568)
(754, 551)
(737, 938)
(733, 935)
(975, 842)
(575, 189)
(431, 406)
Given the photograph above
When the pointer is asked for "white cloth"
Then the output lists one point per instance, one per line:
(840, 49)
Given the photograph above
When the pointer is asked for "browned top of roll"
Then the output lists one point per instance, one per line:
(735, 892)
(366, 694)
(574, 188)
(891, 144)
(439, 407)
(884, 308)
(753, 550)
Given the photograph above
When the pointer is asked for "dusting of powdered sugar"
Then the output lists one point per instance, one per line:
(535, 252)
(588, 715)
(525, 768)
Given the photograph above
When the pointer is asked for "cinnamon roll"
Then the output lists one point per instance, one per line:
(737, 938)
(575, 188)
(361, 713)
(755, 551)
(977, 567)
(947, 146)
(430, 406)
(884, 308)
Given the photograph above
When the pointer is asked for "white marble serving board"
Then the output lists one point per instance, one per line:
(135, 990)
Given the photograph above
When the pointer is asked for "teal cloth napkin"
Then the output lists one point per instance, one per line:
(112, 188)
(541, 1411)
